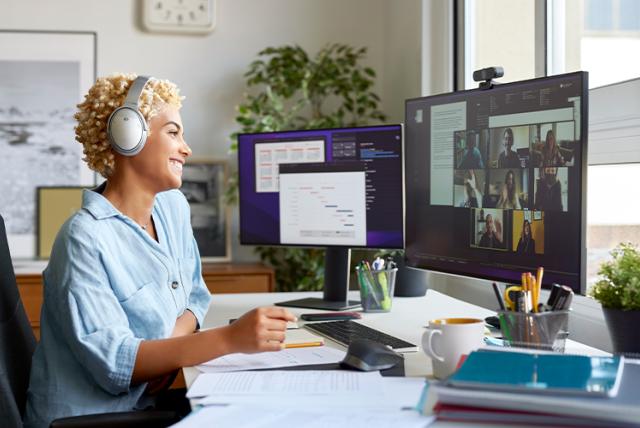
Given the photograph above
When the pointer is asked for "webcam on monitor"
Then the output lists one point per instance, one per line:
(485, 76)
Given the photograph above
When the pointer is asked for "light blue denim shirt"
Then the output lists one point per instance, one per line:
(109, 286)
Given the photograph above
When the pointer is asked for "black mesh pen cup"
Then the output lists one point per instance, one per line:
(542, 330)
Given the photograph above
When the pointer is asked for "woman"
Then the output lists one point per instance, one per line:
(508, 197)
(123, 291)
(526, 244)
(551, 155)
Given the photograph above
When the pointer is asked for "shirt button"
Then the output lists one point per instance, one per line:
(174, 284)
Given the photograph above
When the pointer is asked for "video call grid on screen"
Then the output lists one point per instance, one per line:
(317, 158)
(495, 180)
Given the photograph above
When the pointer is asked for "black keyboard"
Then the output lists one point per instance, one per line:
(344, 332)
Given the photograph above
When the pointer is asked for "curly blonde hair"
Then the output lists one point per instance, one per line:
(107, 94)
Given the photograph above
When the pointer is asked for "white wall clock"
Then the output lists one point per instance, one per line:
(179, 16)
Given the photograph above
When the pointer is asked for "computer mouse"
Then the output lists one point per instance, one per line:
(367, 355)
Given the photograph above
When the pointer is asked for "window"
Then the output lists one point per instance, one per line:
(599, 36)
(611, 16)
(498, 33)
(612, 212)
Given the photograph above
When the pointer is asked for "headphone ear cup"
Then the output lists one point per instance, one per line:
(127, 131)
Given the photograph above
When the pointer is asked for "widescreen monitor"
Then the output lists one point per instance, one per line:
(335, 188)
(496, 181)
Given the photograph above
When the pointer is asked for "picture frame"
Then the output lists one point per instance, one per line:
(203, 181)
(55, 204)
(43, 76)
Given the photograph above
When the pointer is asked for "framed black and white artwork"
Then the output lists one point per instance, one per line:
(203, 182)
(43, 76)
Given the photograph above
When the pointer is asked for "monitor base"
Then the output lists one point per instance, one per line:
(316, 303)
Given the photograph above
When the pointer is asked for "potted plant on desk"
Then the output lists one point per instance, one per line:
(619, 293)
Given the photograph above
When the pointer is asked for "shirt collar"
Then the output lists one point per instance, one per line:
(97, 205)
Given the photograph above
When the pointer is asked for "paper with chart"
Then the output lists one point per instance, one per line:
(245, 416)
(271, 360)
(327, 208)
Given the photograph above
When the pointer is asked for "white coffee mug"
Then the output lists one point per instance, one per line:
(447, 339)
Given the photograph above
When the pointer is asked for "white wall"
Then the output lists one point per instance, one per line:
(209, 68)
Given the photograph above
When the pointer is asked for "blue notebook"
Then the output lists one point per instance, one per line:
(544, 373)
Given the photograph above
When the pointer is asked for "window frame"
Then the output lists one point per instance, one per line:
(463, 30)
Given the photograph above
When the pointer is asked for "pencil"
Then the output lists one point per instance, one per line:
(302, 345)
(538, 287)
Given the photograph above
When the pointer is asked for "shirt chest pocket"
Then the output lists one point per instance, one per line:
(186, 269)
(147, 313)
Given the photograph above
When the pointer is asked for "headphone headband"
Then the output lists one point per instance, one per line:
(133, 96)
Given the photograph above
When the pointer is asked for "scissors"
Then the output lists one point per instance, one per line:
(507, 296)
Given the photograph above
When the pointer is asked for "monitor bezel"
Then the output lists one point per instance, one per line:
(584, 129)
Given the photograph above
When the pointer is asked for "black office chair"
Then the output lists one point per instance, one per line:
(17, 344)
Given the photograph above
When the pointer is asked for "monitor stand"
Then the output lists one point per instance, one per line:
(336, 284)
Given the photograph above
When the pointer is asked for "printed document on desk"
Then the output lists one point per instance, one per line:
(334, 388)
(270, 360)
(245, 416)
(292, 383)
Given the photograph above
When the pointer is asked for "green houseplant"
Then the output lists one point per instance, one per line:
(618, 291)
(289, 89)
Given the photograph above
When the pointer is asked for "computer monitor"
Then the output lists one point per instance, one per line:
(496, 181)
(335, 188)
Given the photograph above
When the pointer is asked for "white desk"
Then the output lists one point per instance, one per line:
(406, 320)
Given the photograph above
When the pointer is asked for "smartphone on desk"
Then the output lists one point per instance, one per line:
(331, 316)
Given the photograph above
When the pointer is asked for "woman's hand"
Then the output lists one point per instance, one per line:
(260, 330)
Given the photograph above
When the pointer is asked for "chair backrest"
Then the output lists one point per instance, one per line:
(17, 341)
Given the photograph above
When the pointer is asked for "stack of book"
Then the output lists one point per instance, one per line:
(542, 389)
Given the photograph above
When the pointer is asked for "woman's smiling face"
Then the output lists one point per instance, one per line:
(165, 151)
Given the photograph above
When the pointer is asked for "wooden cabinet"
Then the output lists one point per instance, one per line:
(30, 287)
(238, 278)
(220, 278)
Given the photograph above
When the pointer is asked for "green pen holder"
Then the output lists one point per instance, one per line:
(376, 288)
(543, 330)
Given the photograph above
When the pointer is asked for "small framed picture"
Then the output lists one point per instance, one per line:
(537, 215)
(203, 183)
(55, 204)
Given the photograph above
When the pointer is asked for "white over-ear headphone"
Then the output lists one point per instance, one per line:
(127, 129)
